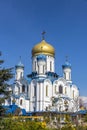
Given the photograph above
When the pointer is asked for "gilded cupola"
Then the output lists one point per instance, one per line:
(43, 48)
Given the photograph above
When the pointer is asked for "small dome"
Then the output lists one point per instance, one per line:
(43, 48)
(20, 65)
(66, 65)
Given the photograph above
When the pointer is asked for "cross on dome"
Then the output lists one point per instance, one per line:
(43, 33)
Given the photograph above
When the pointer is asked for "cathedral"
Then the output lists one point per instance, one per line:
(44, 89)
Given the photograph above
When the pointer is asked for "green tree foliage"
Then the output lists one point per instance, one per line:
(85, 118)
(21, 124)
(5, 76)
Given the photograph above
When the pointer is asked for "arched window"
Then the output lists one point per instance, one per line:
(46, 90)
(50, 65)
(73, 94)
(34, 90)
(35, 65)
(65, 75)
(65, 90)
(23, 88)
(21, 102)
(60, 89)
(18, 90)
(21, 75)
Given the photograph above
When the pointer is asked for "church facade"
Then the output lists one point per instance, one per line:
(44, 90)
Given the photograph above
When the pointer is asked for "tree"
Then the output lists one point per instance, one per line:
(5, 76)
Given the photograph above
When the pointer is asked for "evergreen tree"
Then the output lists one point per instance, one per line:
(5, 76)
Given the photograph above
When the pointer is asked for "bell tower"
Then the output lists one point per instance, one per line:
(67, 70)
(19, 70)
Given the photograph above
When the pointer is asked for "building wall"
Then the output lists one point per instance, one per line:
(50, 66)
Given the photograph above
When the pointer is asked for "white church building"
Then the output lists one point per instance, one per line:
(44, 90)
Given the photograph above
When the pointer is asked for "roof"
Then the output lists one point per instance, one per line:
(66, 65)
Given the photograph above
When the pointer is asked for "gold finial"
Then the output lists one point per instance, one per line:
(43, 33)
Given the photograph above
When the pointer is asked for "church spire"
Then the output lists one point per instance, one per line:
(19, 70)
(67, 70)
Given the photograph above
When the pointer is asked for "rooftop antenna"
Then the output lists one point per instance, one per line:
(43, 33)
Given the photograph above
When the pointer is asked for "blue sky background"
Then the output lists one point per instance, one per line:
(65, 23)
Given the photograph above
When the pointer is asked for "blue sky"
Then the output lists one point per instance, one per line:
(65, 23)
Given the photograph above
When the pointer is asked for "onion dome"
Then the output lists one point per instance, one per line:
(19, 65)
(41, 57)
(66, 65)
(43, 48)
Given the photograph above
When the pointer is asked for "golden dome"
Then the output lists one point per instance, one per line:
(43, 48)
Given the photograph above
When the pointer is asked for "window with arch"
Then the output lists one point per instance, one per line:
(34, 90)
(60, 89)
(21, 102)
(23, 88)
(73, 93)
(21, 75)
(64, 75)
(50, 65)
(18, 90)
(46, 90)
(35, 65)
(65, 90)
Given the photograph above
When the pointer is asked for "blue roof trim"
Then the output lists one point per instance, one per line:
(12, 108)
(41, 57)
(66, 65)
(52, 74)
(20, 65)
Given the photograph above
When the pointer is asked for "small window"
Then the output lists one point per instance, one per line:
(50, 66)
(35, 65)
(21, 75)
(73, 93)
(21, 102)
(65, 75)
(18, 90)
(47, 90)
(65, 90)
(23, 88)
(34, 90)
(60, 89)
